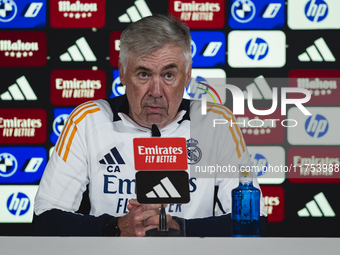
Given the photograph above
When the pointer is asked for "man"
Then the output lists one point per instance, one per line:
(155, 67)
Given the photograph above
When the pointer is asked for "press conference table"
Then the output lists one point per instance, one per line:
(169, 245)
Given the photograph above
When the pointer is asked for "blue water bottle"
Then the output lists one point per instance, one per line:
(246, 206)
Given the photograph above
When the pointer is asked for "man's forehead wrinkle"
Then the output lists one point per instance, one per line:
(169, 66)
(143, 68)
(161, 64)
(169, 56)
(166, 51)
(157, 61)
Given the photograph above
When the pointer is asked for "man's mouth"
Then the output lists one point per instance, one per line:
(154, 108)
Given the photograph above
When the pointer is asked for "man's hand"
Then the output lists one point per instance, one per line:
(127, 224)
(146, 217)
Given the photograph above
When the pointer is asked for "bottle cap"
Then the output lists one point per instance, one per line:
(246, 174)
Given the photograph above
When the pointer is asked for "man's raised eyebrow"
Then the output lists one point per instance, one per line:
(143, 68)
(169, 66)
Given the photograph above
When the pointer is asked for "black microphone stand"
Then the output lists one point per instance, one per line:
(162, 231)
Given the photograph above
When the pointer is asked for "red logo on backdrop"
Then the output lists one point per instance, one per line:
(199, 14)
(314, 165)
(273, 197)
(22, 48)
(80, 13)
(114, 48)
(74, 87)
(160, 153)
(323, 85)
(261, 129)
(22, 126)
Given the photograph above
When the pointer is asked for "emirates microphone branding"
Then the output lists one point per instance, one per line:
(160, 153)
(199, 14)
(314, 165)
(22, 126)
(261, 129)
(273, 198)
(74, 87)
(114, 47)
(322, 84)
(77, 14)
(22, 48)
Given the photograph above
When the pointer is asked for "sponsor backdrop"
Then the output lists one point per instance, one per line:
(57, 54)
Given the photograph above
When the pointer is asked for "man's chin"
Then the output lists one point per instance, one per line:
(156, 119)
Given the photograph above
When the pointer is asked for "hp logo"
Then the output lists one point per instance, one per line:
(316, 126)
(316, 10)
(18, 204)
(193, 89)
(243, 11)
(59, 123)
(8, 10)
(257, 49)
(8, 165)
(260, 162)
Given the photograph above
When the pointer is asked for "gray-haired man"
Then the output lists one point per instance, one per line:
(155, 66)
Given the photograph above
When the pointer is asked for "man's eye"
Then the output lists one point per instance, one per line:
(169, 75)
(143, 75)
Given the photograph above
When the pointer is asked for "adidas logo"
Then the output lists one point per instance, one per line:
(108, 158)
(314, 206)
(314, 51)
(260, 89)
(78, 52)
(164, 190)
(19, 91)
(139, 10)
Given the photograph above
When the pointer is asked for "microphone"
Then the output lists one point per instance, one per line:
(162, 215)
(155, 131)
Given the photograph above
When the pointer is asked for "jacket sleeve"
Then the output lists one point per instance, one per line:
(64, 182)
(56, 222)
(233, 153)
(219, 226)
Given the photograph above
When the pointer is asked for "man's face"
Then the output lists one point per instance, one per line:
(155, 85)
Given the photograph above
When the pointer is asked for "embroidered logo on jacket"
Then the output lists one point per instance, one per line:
(112, 157)
(194, 152)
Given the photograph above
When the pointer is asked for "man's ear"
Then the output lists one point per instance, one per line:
(121, 72)
(188, 76)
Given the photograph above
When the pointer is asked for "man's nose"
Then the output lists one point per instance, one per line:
(156, 89)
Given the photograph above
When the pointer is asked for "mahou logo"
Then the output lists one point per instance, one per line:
(314, 165)
(261, 129)
(199, 14)
(77, 14)
(322, 84)
(273, 197)
(22, 48)
(74, 87)
(22, 126)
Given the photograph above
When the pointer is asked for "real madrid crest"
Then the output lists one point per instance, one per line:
(194, 152)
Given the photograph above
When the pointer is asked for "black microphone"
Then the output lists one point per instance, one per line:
(162, 227)
(155, 131)
(162, 215)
